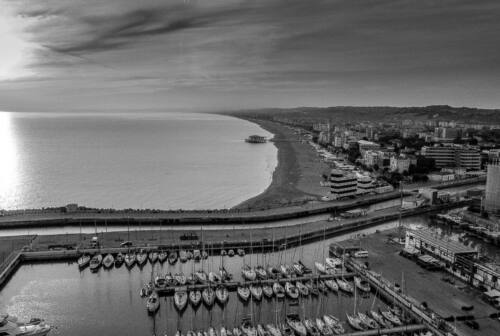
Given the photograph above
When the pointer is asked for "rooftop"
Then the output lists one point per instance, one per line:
(432, 238)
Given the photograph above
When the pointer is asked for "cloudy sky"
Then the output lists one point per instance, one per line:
(79, 55)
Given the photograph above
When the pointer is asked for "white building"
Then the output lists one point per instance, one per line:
(492, 199)
(342, 184)
(365, 184)
(400, 164)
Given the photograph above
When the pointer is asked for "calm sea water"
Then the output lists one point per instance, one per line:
(163, 161)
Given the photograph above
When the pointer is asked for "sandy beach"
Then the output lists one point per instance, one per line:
(298, 173)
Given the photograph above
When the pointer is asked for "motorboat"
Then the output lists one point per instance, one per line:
(119, 260)
(320, 267)
(180, 278)
(214, 278)
(130, 260)
(303, 290)
(183, 256)
(146, 290)
(224, 275)
(273, 272)
(153, 257)
(256, 292)
(380, 319)
(298, 269)
(195, 298)
(278, 290)
(180, 298)
(323, 328)
(222, 294)
(311, 328)
(261, 272)
(273, 330)
(367, 321)
(355, 322)
(261, 331)
(248, 273)
(293, 321)
(142, 258)
(95, 262)
(172, 257)
(208, 295)
(268, 291)
(243, 293)
(162, 256)
(248, 329)
(160, 281)
(345, 286)
(83, 261)
(362, 285)
(241, 252)
(291, 291)
(10, 326)
(332, 285)
(169, 279)
(153, 303)
(204, 254)
(196, 255)
(108, 261)
(201, 276)
(333, 262)
(230, 253)
(389, 316)
(334, 323)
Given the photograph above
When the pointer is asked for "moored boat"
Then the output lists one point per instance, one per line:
(355, 322)
(293, 321)
(320, 267)
(332, 285)
(256, 292)
(273, 330)
(222, 294)
(261, 272)
(201, 276)
(230, 253)
(273, 272)
(108, 261)
(334, 323)
(278, 290)
(303, 290)
(224, 275)
(183, 256)
(298, 269)
(160, 281)
(153, 256)
(311, 328)
(142, 258)
(9, 326)
(153, 303)
(323, 328)
(322, 287)
(291, 291)
(345, 286)
(380, 319)
(119, 260)
(180, 298)
(241, 252)
(237, 331)
(286, 330)
(248, 273)
(196, 255)
(95, 262)
(389, 316)
(204, 254)
(172, 257)
(195, 298)
(84, 261)
(208, 296)
(362, 285)
(248, 329)
(162, 256)
(367, 321)
(268, 291)
(313, 289)
(214, 278)
(180, 278)
(243, 293)
(130, 260)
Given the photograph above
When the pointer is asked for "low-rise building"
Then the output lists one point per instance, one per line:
(441, 176)
(342, 184)
(400, 164)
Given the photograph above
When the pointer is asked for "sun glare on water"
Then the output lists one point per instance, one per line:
(9, 161)
(14, 49)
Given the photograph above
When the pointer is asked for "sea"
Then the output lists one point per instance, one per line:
(131, 160)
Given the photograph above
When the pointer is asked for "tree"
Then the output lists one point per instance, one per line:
(376, 167)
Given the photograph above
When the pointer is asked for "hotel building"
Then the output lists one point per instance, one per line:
(342, 184)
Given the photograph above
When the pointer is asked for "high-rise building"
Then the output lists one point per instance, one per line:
(492, 199)
(342, 184)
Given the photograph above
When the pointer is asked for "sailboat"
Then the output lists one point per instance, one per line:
(293, 321)
(130, 259)
(313, 289)
(389, 316)
(160, 281)
(142, 258)
(268, 291)
(298, 268)
(180, 298)
(180, 279)
(334, 324)
(311, 328)
(224, 275)
(201, 276)
(248, 273)
(208, 296)
(153, 257)
(273, 330)
(230, 253)
(183, 256)
(354, 322)
(214, 278)
(162, 256)
(256, 292)
(345, 285)
(241, 252)
(286, 330)
(195, 298)
(368, 321)
(303, 290)
(248, 329)
(237, 331)
(261, 331)
(243, 293)
(273, 272)
(291, 291)
(380, 319)
(333, 263)
(222, 294)
(322, 287)
(261, 272)
(172, 258)
(108, 261)
(320, 267)
(332, 285)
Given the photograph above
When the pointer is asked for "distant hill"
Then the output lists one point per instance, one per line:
(379, 113)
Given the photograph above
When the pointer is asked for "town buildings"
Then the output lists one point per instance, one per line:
(492, 197)
(342, 184)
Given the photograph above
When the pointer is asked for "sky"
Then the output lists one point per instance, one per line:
(93, 55)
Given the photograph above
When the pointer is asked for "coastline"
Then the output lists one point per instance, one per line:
(296, 178)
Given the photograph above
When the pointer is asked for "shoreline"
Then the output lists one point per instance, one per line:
(289, 184)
